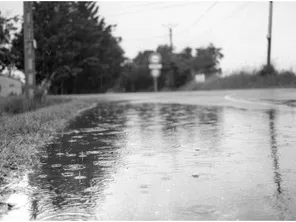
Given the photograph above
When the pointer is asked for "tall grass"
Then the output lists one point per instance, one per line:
(19, 104)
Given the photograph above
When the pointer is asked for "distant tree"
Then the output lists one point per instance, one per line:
(141, 77)
(207, 60)
(267, 70)
(7, 28)
(186, 53)
(177, 68)
(169, 66)
(184, 70)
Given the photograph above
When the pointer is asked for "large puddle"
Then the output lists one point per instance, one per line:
(165, 162)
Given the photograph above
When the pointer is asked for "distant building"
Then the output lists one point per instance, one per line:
(199, 77)
(10, 86)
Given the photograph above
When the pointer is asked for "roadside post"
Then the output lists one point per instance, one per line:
(29, 46)
(155, 67)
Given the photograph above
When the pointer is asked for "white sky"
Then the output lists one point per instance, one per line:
(239, 28)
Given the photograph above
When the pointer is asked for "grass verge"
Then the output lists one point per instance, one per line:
(19, 104)
(21, 135)
(244, 80)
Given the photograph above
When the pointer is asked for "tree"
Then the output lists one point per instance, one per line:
(75, 45)
(169, 70)
(7, 27)
(207, 60)
(186, 53)
(136, 75)
(177, 68)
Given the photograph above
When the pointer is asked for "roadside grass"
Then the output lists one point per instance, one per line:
(19, 104)
(23, 134)
(245, 80)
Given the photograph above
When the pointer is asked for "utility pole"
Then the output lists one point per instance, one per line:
(269, 33)
(29, 49)
(171, 26)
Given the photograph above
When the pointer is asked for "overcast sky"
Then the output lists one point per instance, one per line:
(239, 28)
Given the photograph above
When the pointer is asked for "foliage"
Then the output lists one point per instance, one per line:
(207, 60)
(177, 68)
(267, 70)
(7, 27)
(75, 44)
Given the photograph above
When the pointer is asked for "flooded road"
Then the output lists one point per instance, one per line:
(156, 161)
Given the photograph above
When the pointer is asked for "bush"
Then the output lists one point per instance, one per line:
(267, 70)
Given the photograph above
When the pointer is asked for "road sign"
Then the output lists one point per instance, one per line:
(155, 58)
(155, 66)
(155, 73)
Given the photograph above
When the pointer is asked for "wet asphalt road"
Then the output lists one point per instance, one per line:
(170, 156)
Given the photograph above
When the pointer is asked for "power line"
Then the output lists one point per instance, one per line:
(199, 18)
(204, 14)
(137, 7)
(182, 31)
(149, 3)
(237, 10)
(145, 10)
(226, 18)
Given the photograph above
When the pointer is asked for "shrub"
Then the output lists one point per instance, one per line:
(267, 70)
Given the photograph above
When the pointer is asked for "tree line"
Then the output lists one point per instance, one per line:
(78, 48)
(178, 68)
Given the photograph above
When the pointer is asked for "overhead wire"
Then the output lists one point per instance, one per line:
(145, 10)
(198, 20)
(135, 7)
(183, 30)
(226, 18)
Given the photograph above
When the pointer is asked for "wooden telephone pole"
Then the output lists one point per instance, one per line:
(269, 33)
(29, 50)
(170, 26)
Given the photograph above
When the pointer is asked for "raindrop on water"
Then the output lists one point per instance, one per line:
(70, 154)
(103, 163)
(94, 152)
(82, 154)
(60, 154)
(68, 174)
(74, 167)
(42, 176)
(79, 177)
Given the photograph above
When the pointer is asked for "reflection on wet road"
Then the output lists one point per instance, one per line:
(124, 161)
